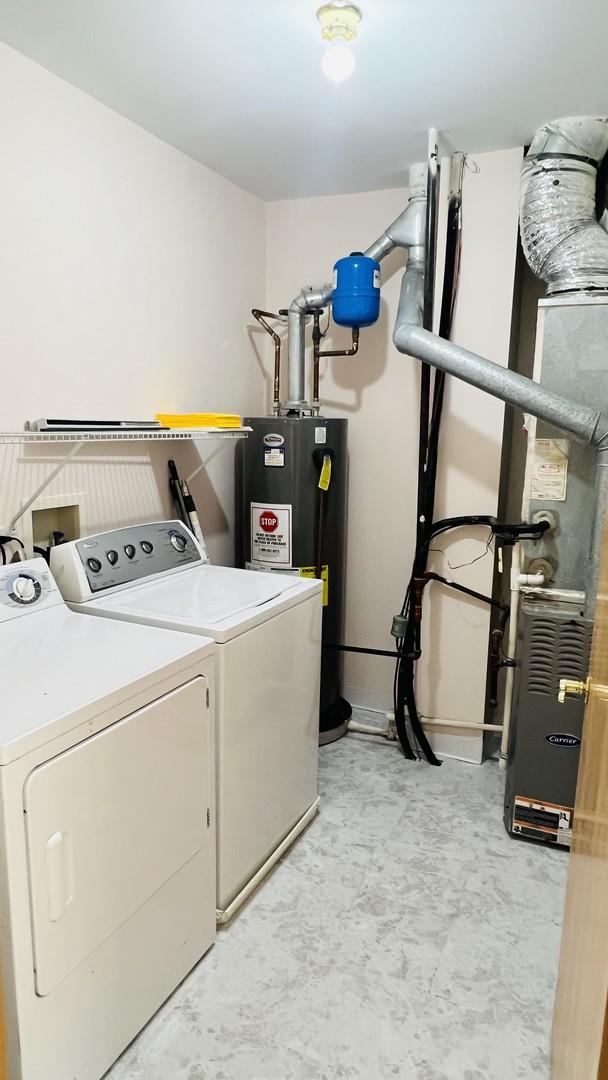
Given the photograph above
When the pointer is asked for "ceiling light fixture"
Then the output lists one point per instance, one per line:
(339, 24)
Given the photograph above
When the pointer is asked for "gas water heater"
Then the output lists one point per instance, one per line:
(292, 475)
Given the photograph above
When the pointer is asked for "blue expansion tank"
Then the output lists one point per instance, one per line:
(356, 295)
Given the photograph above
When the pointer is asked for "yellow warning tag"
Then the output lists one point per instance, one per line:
(325, 477)
(311, 572)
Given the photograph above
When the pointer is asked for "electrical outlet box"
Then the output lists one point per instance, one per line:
(49, 514)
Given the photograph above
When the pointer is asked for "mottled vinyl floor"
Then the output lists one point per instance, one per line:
(404, 935)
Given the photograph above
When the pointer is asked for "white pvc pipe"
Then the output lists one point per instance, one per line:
(467, 725)
(367, 729)
(511, 650)
(472, 725)
(532, 579)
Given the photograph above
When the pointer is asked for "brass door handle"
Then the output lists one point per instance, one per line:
(573, 688)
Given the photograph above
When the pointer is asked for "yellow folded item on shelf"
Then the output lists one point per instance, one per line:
(196, 420)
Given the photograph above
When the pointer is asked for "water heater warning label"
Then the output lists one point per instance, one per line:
(274, 456)
(311, 572)
(271, 533)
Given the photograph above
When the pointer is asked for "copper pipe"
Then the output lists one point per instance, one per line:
(316, 342)
(344, 352)
(317, 353)
(261, 317)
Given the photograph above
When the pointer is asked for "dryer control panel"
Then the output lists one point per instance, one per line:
(25, 586)
(87, 567)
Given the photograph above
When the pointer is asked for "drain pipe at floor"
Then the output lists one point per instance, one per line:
(389, 731)
(383, 732)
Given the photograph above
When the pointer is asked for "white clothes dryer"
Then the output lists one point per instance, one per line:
(107, 846)
(267, 629)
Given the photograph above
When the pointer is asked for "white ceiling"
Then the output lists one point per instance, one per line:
(237, 84)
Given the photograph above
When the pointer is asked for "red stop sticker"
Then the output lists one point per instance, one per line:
(268, 521)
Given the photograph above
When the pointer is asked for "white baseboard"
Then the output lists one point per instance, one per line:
(464, 745)
(370, 700)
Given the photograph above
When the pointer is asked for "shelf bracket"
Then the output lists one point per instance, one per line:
(204, 464)
(42, 487)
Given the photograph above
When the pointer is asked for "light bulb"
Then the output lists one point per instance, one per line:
(338, 62)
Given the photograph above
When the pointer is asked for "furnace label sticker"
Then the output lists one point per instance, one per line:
(271, 533)
(549, 470)
(543, 821)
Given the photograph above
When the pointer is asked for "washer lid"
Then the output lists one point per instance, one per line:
(59, 669)
(215, 600)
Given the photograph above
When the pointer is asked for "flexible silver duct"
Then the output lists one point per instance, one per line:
(562, 239)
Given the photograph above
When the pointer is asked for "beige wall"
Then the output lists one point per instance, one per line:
(378, 392)
(126, 274)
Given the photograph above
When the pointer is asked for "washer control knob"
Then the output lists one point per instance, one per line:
(94, 565)
(147, 547)
(24, 588)
(112, 557)
(130, 550)
(179, 542)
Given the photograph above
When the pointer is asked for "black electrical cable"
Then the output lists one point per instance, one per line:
(463, 519)
(409, 646)
(432, 576)
(497, 657)
(508, 532)
(9, 540)
(430, 419)
(448, 303)
(359, 649)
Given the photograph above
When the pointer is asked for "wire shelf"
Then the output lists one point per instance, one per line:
(15, 438)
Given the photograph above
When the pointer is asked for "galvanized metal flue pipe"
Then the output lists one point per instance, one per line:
(407, 231)
(587, 424)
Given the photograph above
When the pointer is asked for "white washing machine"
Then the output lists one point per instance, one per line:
(107, 846)
(268, 633)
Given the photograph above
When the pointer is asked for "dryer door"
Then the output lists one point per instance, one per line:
(110, 821)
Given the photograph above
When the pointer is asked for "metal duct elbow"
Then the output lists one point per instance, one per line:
(298, 311)
(411, 299)
(563, 241)
(406, 231)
